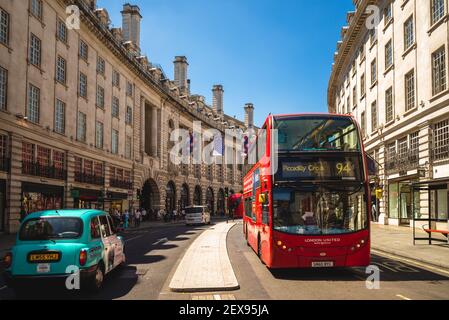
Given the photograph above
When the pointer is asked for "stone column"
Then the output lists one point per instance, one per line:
(154, 126)
(14, 186)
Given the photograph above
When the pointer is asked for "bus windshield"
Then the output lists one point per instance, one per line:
(317, 133)
(320, 210)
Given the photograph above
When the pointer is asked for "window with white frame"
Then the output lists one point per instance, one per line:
(114, 142)
(389, 54)
(388, 13)
(354, 97)
(115, 107)
(83, 85)
(409, 33)
(363, 124)
(128, 149)
(129, 115)
(362, 85)
(3, 88)
(403, 148)
(439, 71)
(35, 50)
(100, 97)
(441, 140)
(116, 79)
(374, 116)
(36, 8)
(4, 27)
(34, 97)
(101, 66)
(437, 10)
(62, 31)
(84, 50)
(60, 116)
(61, 70)
(414, 143)
(389, 107)
(129, 89)
(373, 72)
(410, 90)
(99, 135)
(81, 130)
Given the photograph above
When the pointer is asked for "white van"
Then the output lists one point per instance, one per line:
(197, 215)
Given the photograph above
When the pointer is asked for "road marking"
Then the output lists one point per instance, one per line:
(418, 264)
(2, 288)
(160, 241)
(403, 297)
(131, 239)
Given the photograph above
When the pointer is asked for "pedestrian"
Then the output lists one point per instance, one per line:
(144, 214)
(126, 219)
(374, 212)
(137, 218)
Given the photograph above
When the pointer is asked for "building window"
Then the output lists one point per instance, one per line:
(441, 140)
(83, 86)
(129, 89)
(115, 107)
(388, 13)
(437, 10)
(362, 53)
(373, 72)
(348, 105)
(36, 8)
(439, 71)
(62, 31)
(354, 68)
(4, 27)
(116, 79)
(410, 90)
(354, 97)
(374, 116)
(362, 86)
(81, 130)
(34, 97)
(129, 115)
(363, 124)
(3, 88)
(99, 134)
(35, 50)
(114, 141)
(100, 97)
(84, 50)
(61, 69)
(373, 36)
(389, 108)
(101, 66)
(60, 117)
(402, 148)
(409, 35)
(414, 143)
(128, 147)
(43, 156)
(388, 54)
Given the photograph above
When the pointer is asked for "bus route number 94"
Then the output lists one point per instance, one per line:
(344, 168)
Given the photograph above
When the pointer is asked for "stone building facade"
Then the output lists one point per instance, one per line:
(393, 79)
(86, 119)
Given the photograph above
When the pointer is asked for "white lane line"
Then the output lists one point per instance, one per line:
(403, 297)
(2, 288)
(131, 239)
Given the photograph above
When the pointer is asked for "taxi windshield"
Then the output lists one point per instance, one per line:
(51, 229)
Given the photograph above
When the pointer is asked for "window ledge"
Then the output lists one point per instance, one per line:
(363, 97)
(10, 50)
(404, 2)
(439, 95)
(437, 24)
(373, 85)
(408, 50)
(36, 66)
(390, 22)
(389, 123)
(372, 45)
(410, 111)
(388, 69)
(62, 84)
(362, 60)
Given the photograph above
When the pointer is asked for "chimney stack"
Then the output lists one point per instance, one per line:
(249, 115)
(217, 100)
(131, 24)
(181, 66)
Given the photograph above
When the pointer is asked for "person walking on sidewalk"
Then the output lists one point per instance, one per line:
(126, 220)
(374, 212)
(137, 218)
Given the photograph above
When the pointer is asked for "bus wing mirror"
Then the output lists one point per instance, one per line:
(263, 198)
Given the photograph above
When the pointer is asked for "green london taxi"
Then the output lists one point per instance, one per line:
(53, 245)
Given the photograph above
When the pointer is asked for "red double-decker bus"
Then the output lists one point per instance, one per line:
(307, 201)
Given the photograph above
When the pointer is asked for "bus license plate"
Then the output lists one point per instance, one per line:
(322, 264)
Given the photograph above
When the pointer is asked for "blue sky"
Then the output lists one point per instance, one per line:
(276, 54)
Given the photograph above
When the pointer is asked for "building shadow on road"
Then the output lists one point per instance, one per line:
(390, 270)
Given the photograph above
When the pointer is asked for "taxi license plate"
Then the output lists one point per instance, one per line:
(43, 257)
(43, 268)
(322, 264)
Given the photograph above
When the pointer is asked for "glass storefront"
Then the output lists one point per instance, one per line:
(37, 197)
(2, 204)
(439, 203)
(402, 202)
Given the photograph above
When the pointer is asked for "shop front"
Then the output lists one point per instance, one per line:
(87, 199)
(401, 201)
(2, 205)
(39, 197)
(118, 201)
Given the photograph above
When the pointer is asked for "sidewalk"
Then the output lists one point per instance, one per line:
(205, 266)
(398, 241)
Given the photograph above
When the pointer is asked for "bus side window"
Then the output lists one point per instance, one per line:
(266, 212)
(253, 208)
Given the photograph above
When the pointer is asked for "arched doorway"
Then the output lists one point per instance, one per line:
(185, 198)
(210, 200)
(150, 198)
(170, 198)
(198, 196)
(221, 202)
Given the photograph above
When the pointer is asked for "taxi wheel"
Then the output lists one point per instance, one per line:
(96, 282)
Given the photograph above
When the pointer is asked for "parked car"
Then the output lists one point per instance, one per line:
(197, 215)
(51, 243)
